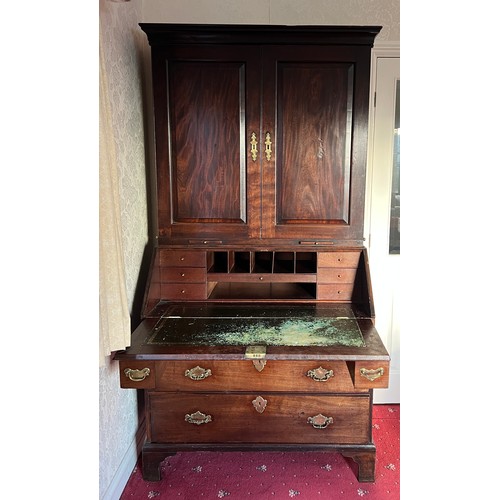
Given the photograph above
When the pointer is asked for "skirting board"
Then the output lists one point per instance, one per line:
(127, 465)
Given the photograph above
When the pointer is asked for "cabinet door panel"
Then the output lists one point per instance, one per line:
(314, 183)
(203, 169)
(208, 173)
(314, 135)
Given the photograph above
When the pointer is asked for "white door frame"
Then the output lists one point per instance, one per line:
(384, 268)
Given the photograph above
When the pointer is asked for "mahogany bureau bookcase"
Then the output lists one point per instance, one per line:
(257, 327)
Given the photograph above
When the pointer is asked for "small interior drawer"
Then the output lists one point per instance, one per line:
(336, 275)
(184, 291)
(334, 291)
(338, 259)
(183, 274)
(183, 258)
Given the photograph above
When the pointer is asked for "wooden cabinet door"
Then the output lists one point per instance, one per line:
(206, 109)
(315, 110)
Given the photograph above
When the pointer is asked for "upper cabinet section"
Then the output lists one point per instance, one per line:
(261, 133)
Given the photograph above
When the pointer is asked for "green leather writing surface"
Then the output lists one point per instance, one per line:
(281, 331)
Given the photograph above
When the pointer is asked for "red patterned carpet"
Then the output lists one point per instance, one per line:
(276, 475)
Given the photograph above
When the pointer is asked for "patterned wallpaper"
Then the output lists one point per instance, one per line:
(122, 42)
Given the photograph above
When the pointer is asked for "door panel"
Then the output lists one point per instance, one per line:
(314, 131)
(208, 167)
(314, 180)
(205, 173)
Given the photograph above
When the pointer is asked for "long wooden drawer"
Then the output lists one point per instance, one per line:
(307, 376)
(258, 418)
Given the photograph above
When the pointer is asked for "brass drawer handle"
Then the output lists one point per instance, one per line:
(320, 421)
(259, 403)
(371, 375)
(198, 418)
(198, 373)
(137, 375)
(320, 374)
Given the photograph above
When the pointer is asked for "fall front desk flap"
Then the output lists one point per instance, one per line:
(258, 325)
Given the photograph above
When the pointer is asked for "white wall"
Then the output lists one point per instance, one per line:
(363, 12)
(126, 50)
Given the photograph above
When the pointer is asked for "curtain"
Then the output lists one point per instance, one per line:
(114, 317)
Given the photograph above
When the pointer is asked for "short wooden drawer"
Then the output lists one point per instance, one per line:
(336, 275)
(259, 418)
(371, 374)
(335, 291)
(187, 291)
(338, 259)
(137, 374)
(183, 274)
(274, 375)
(182, 258)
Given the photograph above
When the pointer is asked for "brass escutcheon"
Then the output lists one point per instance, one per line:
(137, 375)
(253, 146)
(198, 418)
(198, 373)
(268, 145)
(320, 374)
(259, 364)
(259, 403)
(320, 421)
(371, 375)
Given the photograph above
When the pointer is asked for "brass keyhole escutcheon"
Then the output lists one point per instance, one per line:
(253, 146)
(259, 364)
(268, 145)
(259, 403)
